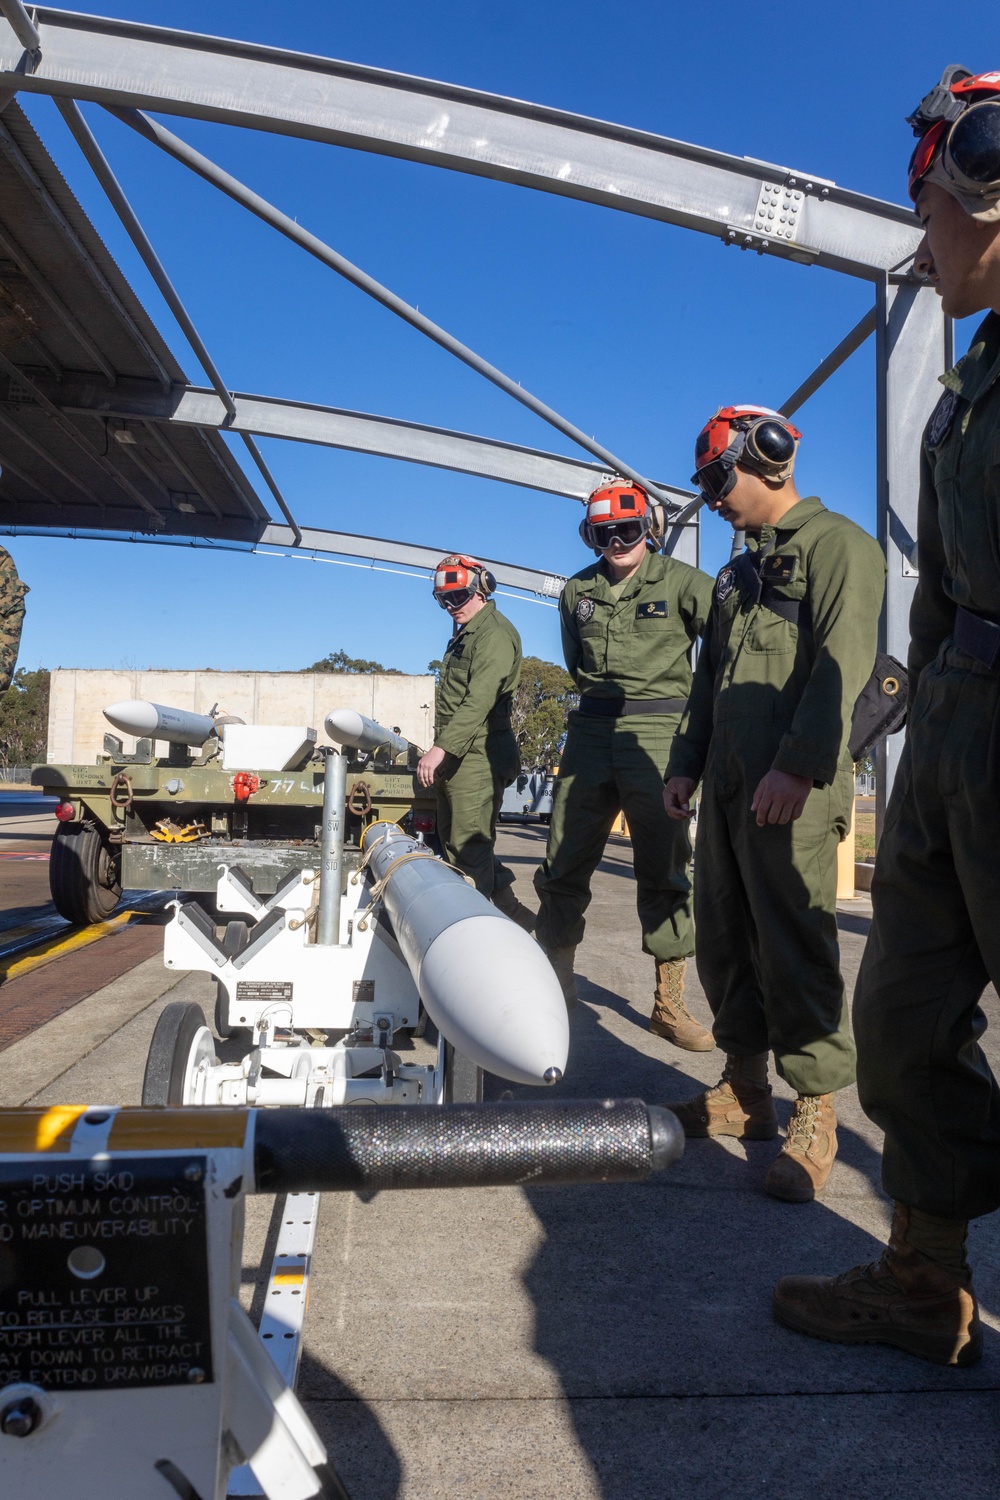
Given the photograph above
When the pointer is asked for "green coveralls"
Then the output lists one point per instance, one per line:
(772, 694)
(630, 646)
(482, 667)
(935, 938)
(12, 592)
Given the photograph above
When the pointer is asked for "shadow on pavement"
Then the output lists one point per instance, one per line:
(662, 1290)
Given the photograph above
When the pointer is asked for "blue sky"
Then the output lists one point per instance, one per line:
(633, 329)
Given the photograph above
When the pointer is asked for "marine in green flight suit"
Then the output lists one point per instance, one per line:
(628, 625)
(789, 645)
(475, 754)
(12, 592)
(935, 938)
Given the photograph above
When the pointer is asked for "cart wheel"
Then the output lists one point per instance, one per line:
(84, 874)
(236, 937)
(463, 1080)
(180, 1043)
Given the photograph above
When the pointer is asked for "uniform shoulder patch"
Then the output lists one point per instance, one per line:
(779, 568)
(724, 584)
(652, 609)
(585, 607)
(941, 419)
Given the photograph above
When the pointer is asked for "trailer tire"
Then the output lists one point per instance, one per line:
(235, 939)
(84, 874)
(180, 1040)
(463, 1080)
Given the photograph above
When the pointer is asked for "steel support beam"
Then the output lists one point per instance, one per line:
(827, 367)
(334, 544)
(333, 427)
(379, 549)
(240, 193)
(123, 64)
(913, 348)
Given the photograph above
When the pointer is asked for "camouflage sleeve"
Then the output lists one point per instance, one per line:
(12, 592)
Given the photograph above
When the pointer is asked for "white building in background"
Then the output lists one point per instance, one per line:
(77, 699)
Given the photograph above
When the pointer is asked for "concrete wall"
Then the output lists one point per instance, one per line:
(77, 700)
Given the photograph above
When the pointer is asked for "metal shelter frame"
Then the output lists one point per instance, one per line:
(770, 209)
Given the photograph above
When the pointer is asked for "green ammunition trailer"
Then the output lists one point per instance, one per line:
(107, 837)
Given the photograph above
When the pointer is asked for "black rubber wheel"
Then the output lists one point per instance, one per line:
(84, 874)
(236, 937)
(463, 1080)
(176, 1041)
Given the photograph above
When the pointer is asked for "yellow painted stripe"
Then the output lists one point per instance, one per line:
(60, 945)
(288, 1278)
(25, 1130)
(139, 1129)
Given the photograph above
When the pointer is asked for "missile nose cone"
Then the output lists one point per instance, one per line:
(489, 987)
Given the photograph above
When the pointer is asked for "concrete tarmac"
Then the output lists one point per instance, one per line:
(606, 1343)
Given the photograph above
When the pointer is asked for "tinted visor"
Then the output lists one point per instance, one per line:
(716, 479)
(923, 155)
(454, 598)
(974, 143)
(627, 533)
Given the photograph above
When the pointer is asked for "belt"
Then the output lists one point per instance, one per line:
(498, 717)
(978, 637)
(619, 708)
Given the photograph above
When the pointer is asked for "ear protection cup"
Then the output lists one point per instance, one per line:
(770, 444)
(487, 583)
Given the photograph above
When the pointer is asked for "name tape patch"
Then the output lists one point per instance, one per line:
(652, 609)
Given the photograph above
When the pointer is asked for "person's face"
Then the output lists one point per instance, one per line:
(749, 504)
(469, 608)
(622, 559)
(958, 255)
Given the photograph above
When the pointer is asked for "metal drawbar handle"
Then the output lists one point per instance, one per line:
(377, 1147)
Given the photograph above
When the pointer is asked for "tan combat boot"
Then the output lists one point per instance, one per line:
(561, 960)
(905, 1299)
(734, 1107)
(801, 1170)
(504, 900)
(671, 1018)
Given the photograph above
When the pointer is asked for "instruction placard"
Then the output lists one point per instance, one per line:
(104, 1273)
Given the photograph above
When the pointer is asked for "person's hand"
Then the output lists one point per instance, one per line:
(780, 797)
(677, 796)
(428, 764)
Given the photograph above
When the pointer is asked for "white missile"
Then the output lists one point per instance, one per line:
(155, 721)
(486, 985)
(346, 726)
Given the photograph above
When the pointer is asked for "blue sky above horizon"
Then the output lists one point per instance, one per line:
(633, 329)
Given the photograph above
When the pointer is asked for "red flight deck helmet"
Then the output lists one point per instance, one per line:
(756, 436)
